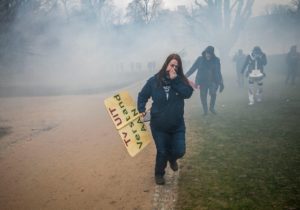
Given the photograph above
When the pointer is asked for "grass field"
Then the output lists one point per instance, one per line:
(245, 157)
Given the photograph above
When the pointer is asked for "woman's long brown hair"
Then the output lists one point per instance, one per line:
(179, 70)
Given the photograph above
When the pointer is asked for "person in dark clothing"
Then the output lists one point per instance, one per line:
(254, 64)
(239, 59)
(208, 78)
(293, 63)
(168, 89)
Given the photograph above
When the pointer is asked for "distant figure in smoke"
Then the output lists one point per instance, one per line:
(208, 78)
(255, 63)
(151, 66)
(168, 89)
(239, 59)
(293, 63)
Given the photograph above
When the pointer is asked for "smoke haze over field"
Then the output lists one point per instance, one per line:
(61, 150)
(71, 50)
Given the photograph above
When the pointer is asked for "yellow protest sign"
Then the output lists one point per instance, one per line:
(123, 112)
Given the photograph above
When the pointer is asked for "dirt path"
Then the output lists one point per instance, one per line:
(63, 153)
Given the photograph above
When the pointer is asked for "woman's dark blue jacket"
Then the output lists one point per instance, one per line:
(166, 113)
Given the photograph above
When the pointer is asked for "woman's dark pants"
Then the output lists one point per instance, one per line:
(170, 146)
(212, 90)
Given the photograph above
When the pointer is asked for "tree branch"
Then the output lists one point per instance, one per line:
(233, 5)
(198, 4)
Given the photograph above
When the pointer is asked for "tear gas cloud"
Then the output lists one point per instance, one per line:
(66, 50)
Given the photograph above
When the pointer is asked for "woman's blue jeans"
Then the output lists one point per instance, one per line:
(170, 146)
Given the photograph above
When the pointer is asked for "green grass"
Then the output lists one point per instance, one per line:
(246, 157)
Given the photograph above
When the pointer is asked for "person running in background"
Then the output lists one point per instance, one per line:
(168, 90)
(293, 63)
(254, 64)
(208, 78)
(239, 59)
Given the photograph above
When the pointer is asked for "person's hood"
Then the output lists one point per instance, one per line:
(256, 50)
(210, 50)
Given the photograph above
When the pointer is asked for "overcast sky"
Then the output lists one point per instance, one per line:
(259, 5)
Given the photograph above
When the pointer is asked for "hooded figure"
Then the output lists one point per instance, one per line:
(255, 60)
(254, 64)
(208, 77)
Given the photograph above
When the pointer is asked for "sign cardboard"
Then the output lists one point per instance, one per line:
(128, 121)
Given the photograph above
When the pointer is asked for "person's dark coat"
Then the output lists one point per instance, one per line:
(166, 111)
(256, 60)
(293, 60)
(209, 71)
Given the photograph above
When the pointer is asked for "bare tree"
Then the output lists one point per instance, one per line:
(101, 11)
(277, 9)
(92, 8)
(284, 13)
(8, 9)
(109, 14)
(65, 5)
(284, 18)
(15, 13)
(143, 11)
(135, 12)
(151, 9)
(223, 21)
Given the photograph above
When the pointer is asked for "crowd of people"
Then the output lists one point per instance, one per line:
(170, 87)
(252, 67)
